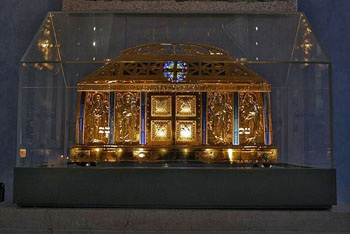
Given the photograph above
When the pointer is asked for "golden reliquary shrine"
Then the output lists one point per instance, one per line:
(174, 102)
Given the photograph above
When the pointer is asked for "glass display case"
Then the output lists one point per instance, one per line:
(228, 91)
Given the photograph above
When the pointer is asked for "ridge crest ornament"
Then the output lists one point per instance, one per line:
(174, 102)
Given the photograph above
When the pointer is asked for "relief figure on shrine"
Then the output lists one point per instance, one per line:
(220, 118)
(127, 117)
(97, 111)
(251, 128)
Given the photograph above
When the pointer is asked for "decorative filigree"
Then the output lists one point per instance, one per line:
(186, 105)
(185, 130)
(207, 69)
(251, 123)
(178, 69)
(220, 118)
(161, 105)
(111, 69)
(96, 128)
(142, 69)
(161, 131)
(127, 109)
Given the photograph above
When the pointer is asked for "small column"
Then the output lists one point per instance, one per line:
(204, 118)
(267, 118)
(236, 117)
(143, 119)
(81, 109)
(111, 117)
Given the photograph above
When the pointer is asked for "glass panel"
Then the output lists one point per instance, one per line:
(281, 48)
(252, 37)
(300, 105)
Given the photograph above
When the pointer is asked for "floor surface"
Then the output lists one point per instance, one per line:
(15, 219)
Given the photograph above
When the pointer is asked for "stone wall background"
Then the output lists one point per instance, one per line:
(21, 19)
(180, 5)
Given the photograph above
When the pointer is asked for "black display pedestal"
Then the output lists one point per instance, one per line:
(2, 192)
(176, 187)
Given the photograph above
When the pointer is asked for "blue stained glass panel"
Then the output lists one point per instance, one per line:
(180, 76)
(181, 65)
(169, 65)
(175, 73)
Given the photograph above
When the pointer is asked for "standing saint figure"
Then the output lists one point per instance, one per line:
(99, 121)
(250, 113)
(220, 110)
(128, 118)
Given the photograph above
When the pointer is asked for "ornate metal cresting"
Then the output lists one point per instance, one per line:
(171, 102)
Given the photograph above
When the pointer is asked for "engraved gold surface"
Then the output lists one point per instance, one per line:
(161, 106)
(127, 117)
(220, 118)
(161, 131)
(251, 123)
(186, 105)
(185, 130)
(96, 128)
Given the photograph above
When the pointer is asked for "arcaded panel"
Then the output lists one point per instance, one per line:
(96, 127)
(127, 117)
(251, 119)
(220, 118)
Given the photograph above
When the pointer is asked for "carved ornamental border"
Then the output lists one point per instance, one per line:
(263, 87)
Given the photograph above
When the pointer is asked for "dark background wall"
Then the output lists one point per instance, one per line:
(330, 19)
(20, 19)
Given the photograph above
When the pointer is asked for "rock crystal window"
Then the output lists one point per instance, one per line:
(175, 71)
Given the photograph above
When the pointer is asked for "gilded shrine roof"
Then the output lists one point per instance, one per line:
(174, 67)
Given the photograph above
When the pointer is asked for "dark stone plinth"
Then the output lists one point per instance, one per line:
(176, 187)
(2, 192)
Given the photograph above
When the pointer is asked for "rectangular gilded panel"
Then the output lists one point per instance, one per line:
(220, 118)
(186, 130)
(161, 131)
(127, 117)
(96, 125)
(186, 106)
(251, 119)
(161, 106)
